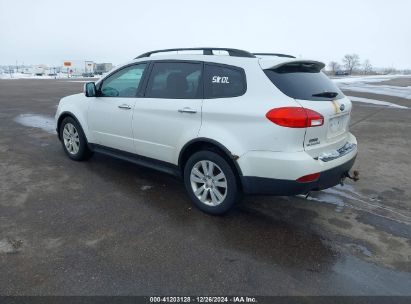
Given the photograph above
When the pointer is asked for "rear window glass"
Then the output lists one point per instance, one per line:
(303, 81)
(223, 81)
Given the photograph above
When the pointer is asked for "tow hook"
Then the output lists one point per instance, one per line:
(355, 176)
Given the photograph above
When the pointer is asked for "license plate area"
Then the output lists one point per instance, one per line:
(337, 125)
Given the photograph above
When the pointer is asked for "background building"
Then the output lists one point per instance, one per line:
(78, 67)
(101, 68)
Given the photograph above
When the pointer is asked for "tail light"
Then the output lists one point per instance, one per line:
(309, 178)
(295, 117)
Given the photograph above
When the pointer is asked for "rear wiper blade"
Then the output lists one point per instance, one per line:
(326, 94)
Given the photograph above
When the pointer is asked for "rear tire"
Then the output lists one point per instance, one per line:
(73, 140)
(211, 182)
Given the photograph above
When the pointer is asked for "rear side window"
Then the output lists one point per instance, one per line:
(303, 81)
(223, 81)
(175, 80)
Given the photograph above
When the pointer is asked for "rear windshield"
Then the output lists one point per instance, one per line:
(303, 81)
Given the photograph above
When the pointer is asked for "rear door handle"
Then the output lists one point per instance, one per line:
(125, 106)
(187, 110)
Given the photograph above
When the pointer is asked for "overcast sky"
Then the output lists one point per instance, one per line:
(116, 31)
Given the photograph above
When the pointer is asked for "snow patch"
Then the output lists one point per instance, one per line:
(373, 78)
(5, 247)
(376, 102)
(364, 85)
(402, 92)
(10, 246)
(29, 76)
(361, 249)
(59, 76)
(91, 80)
(45, 123)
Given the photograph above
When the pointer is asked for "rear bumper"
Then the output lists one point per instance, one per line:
(272, 186)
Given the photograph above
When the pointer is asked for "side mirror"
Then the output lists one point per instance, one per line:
(90, 89)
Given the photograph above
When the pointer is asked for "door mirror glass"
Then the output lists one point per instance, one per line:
(90, 89)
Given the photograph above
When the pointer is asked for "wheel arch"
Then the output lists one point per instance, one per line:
(68, 114)
(203, 143)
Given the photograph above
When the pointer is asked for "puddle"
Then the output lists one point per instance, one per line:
(46, 123)
(347, 196)
(323, 197)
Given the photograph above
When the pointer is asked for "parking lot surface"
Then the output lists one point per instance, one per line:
(107, 227)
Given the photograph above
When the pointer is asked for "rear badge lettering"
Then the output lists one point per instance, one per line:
(313, 142)
(220, 79)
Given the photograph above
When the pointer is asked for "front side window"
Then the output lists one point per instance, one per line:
(223, 81)
(175, 80)
(123, 83)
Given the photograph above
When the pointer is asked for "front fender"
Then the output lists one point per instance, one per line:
(75, 106)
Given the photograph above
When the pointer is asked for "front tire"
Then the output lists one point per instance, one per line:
(211, 182)
(73, 140)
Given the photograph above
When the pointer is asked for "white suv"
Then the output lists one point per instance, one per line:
(225, 120)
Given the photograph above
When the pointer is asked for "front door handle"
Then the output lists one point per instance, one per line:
(125, 106)
(187, 110)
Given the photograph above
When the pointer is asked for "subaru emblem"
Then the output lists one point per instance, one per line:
(342, 107)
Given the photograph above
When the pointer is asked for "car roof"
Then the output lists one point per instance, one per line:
(264, 61)
(238, 58)
(197, 57)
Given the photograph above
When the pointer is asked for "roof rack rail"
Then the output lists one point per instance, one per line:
(206, 51)
(274, 54)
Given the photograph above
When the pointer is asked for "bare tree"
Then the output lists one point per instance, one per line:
(367, 67)
(334, 66)
(11, 72)
(351, 62)
(390, 70)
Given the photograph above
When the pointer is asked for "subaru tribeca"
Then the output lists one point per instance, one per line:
(226, 121)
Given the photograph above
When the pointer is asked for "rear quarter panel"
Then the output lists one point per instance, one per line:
(239, 123)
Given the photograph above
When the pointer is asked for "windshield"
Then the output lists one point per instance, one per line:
(303, 81)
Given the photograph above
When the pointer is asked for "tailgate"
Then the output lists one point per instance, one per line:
(304, 81)
(334, 132)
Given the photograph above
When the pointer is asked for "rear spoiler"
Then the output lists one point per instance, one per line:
(274, 64)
